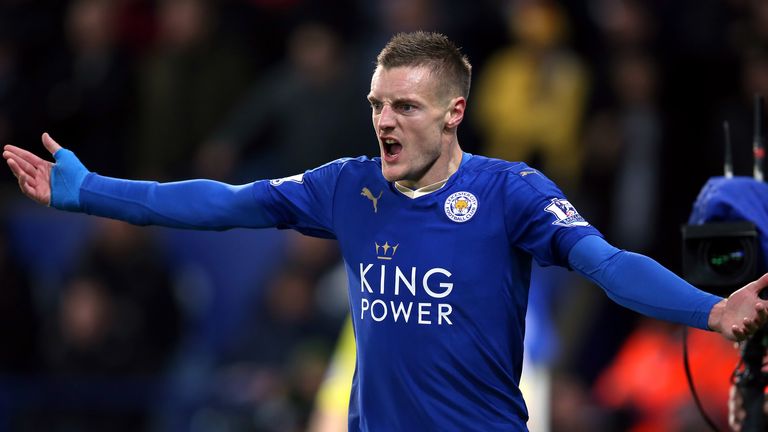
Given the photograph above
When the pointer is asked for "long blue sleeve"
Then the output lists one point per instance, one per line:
(197, 204)
(303, 202)
(640, 283)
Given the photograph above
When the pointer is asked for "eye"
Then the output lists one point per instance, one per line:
(376, 106)
(406, 107)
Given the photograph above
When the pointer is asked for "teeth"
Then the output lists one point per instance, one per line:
(389, 141)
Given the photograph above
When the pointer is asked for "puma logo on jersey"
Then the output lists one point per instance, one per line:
(375, 200)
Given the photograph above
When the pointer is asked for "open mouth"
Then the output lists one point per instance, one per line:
(392, 147)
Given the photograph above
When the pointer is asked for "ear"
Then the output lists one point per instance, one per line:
(455, 113)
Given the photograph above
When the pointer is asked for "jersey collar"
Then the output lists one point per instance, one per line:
(426, 190)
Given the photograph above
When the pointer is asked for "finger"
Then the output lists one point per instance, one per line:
(13, 166)
(762, 311)
(9, 147)
(17, 171)
(50, 145)
(34, 194)
(750, 325)
(26, 155)
(738, 333)
(763, 281)
(22, 164)
(29, 187)
(753, 324)
(761, 314)
(22, 177)
(760, 319)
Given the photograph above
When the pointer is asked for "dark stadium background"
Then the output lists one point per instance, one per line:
(104, 326)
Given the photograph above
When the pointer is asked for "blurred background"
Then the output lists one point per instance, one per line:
(105, 326)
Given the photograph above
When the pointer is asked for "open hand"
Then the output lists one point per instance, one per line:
(742, 313)
(33, 173)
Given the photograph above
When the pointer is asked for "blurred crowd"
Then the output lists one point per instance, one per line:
(106, 326)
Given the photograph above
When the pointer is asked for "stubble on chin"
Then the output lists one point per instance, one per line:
(389, 175)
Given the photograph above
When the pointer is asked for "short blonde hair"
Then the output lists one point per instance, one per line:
(430, 49)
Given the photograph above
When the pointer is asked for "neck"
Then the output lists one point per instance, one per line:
(442, 169)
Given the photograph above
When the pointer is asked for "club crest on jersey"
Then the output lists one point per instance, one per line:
(298, 178)
(565, 213)
(460, 206)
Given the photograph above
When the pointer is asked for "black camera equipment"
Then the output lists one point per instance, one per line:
(721, 257)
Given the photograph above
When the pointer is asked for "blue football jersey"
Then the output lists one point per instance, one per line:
(438, 285)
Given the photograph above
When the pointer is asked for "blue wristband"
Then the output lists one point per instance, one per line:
(67, 176)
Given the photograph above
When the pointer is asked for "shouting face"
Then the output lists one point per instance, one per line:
(415, 120)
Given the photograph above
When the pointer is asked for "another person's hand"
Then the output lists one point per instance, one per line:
(33, 173)
(742, 313)
(736, 411)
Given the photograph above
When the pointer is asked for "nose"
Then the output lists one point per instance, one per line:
(386, 118)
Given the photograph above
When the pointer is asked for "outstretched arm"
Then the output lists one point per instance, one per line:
(299, 202)
(198, 204)
(643, 285)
